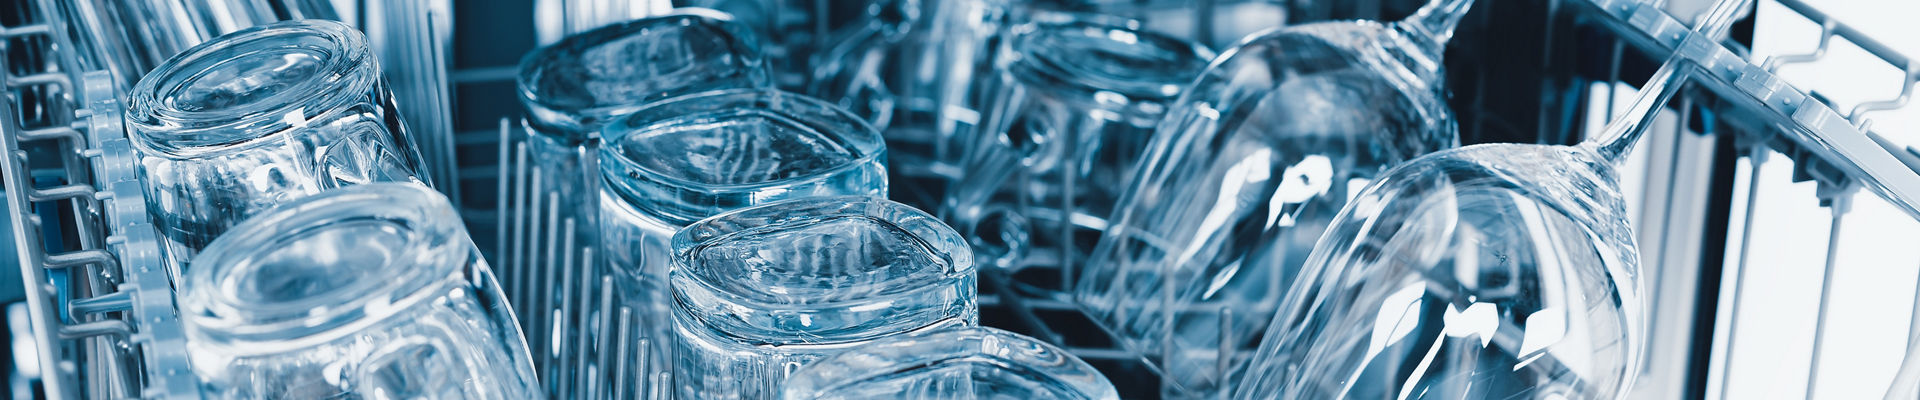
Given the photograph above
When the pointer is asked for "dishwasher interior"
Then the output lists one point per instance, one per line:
(95, 317)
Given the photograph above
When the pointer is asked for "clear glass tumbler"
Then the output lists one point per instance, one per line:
(959, 363)
(575, 87)
(1247, 171)
(761, 292)
(261, 117)
(1072, 114)
(370, 291)
(683, 160)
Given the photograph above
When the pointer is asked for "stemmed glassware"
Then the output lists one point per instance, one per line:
(1247, 169)
(1493, 271)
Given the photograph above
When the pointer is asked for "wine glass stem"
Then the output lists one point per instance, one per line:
(1437, 19)
(1619, 137)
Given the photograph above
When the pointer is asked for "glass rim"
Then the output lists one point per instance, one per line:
(347, 70)
(924, 228)
(802, 110)
(435, 246)
(1043, 66)
(970, 344)
(531, 66)
(796, 107)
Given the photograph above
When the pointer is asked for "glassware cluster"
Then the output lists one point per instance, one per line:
(250, 120)
(360, 292)
(1290, 219)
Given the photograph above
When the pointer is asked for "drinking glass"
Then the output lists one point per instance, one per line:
(1074, 109)
(1496, 271)
(572, 89)
(1245, 173)
(762, 291)
(257, 118)
(686, 159)
(575, 87)
(370, 291)
(913, 68)
(956, 363)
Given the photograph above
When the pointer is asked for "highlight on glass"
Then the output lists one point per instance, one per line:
(1246, 172)
(1071, 114)
(692, 157)
(1494, 271)
(366, 291)
(763, 291)
(257, 118)
(571, 90)
(952, 363)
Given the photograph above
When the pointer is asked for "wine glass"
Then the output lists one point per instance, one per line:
(1495, 271)
(1247, 169)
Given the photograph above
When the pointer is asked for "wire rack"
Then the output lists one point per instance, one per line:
(101, 314)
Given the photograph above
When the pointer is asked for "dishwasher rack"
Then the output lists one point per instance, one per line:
(101, 312)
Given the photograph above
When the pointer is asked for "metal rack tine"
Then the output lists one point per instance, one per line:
(500, 191)
(1842, 199)
(623, 336)
(604, 331)
(1858, 115)
(562, 321)
(1757, 157)
(1826, 37)
(582, 340)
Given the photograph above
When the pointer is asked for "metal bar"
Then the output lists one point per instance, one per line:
(1858, 38)
(96, 328)
(1758, 158)
(1839, 207)
(77, 258)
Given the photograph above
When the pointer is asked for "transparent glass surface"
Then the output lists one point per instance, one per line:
(914, 69)
(1076, 107)
(959, 363)
(1215, 24)
(1246, 171)
(575, 87)
(794, 30)
(370, 291)
(683, 160)
(761, 292)
(1493, 271)
(257, 118)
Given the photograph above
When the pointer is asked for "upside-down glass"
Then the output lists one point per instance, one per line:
(1246, 172)
(257, 118)
(1215, 24)
(575, 87)
(369, 291)
(1495, 271)
(912, 70)
(761, 292)
(959, 363)
(686, 159)
(1072, 113)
